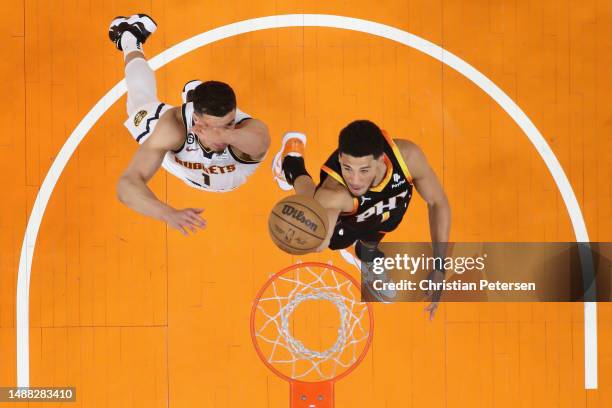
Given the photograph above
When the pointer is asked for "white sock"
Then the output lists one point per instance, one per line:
(129, 43)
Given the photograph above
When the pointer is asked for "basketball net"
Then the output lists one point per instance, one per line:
(311, 372)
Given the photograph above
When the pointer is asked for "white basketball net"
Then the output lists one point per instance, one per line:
(274, 329)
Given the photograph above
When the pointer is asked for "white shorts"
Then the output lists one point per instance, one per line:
(142, 122)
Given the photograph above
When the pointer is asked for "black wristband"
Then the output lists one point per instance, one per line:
(294, 167)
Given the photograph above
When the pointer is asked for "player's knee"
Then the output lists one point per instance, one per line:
(367, 253)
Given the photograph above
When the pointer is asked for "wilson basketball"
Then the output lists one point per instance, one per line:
(298, 224)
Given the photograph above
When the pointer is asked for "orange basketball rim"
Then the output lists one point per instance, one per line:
(311, 373)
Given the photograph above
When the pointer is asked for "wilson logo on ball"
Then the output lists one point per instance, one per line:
(299, 216)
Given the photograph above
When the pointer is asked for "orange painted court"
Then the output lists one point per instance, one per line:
(134, 314)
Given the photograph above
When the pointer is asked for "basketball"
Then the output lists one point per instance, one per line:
(298, 224)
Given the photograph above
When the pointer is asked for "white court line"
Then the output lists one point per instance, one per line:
(297, 20)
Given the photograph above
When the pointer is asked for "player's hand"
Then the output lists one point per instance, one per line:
(435, 276)
(185, 220)
(431, 308)
(213, 138)
(324, 245)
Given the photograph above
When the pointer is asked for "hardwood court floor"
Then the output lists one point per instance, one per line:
(136, 315)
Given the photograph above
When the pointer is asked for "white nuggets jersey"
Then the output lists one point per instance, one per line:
(196, 165)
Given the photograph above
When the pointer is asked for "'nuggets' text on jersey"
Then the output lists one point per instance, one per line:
(196, 165)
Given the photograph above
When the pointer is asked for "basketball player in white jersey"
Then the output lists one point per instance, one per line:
(207, 142)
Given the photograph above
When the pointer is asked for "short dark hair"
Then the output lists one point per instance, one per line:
(361, 138)
(212, 98)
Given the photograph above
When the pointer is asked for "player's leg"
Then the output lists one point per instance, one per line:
(289, 168)
(362, 256)
(128, 34)
(356, 247)
(367, 249)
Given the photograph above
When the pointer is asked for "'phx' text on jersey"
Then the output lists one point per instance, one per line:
(380, 209)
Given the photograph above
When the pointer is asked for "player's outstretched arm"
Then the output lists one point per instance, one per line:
(428, 186)
(132, 189)
(335, 199)
(250, 137)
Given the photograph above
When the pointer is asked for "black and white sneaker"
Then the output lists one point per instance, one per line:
(141, 25)
(368, 277)
(188, 88)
